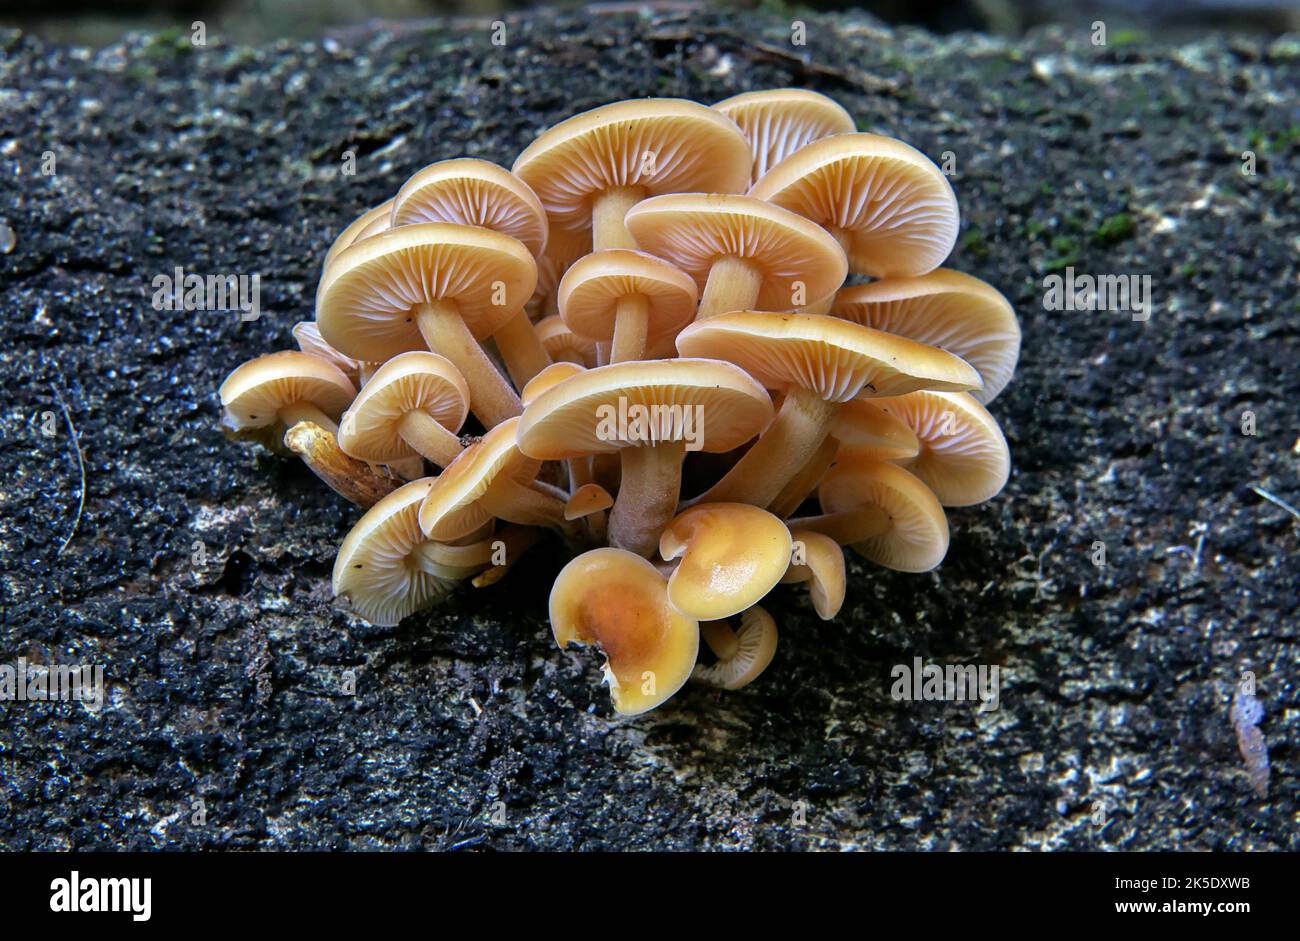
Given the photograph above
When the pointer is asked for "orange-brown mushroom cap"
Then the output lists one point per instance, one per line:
(655, 145)
(913, 536)
(963, 455)
(473, 192)
(779, 121)
(378, 426)
(379, 568)
(370, 222)
(367, 299)
(258, 392)
(892, 208)
(862, 425)
(552, 375)
(619, 601)
(732, 555)
(792, 259)
(947, 309)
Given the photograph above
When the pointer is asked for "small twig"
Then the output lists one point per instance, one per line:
(1276, 500)
(81, 467)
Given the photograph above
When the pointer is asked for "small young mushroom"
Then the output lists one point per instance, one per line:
(476, 192)
(745, 253)
(732, 555)
(592, 168)
(563, 345)
(430, 285)
(779, 121)
(626, 298)
(282, 389)
(619, 601)
(650, 413)
(818, 560)
(586, 500)
(742, 655)
(963, 455)
(885, 513)
(412, 407)
(886, 203)
(490, 478)
(947, 309)
(819, 362)
(346, 476)
(382, 568)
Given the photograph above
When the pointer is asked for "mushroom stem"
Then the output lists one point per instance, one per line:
(631, 319)
(720, 638)
(848, 526)
(607, 227)
(779, 455)
(421, 431)
(346, 476)
(733, 284)
(295, 412)
(802, 484)
(522, 349)
(647, 496)
(491, 397)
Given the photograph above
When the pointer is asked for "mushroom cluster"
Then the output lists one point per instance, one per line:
(705, 348)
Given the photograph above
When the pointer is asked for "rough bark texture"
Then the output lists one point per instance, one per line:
(225, 676)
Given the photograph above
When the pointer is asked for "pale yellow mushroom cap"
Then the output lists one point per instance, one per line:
(893, 209)
(947, 309)
(732, 555)
(662, 145)
(754, 648)
(619, 601)
(818, 560)
(256, 391)
(453, 507)
(862, 425)
(469, 191)
(795, 258)
(371, 222)
(586, 500)
(916, 537)
(832, 358)
(779, 121)
(409, 382)
(963, 455)
(379, 568)
(552, 375)
(591, 289)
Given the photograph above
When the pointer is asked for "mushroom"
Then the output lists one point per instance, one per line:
(282, 389)
(412, 407)
(370, 222)
(779, 121)
(563, 345)
(650, 413)
(563, 248)
(594, 167)
(818, 560)
(891, 209)
(586, 500)
(742, 655)
(731, 556)
(619, 601)
(433, 285)
(307, 335)
(579, 468)
(626, 298)
(819, 362)
(382, 567)
(476, 192)
(963, 455)
(947, 309)
(346, 476)
(885, 513)
(490, 478)
(743, 252)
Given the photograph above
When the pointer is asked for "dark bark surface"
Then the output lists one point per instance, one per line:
(224, 677)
